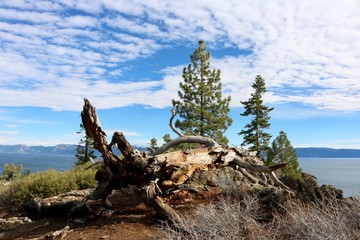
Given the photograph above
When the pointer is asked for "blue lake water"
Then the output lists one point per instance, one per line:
(39, 162)
(343, 173)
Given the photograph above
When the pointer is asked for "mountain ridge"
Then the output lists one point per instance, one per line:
(303, 152)
(57, 149)
(25, 149)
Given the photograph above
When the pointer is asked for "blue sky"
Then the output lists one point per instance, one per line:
(126, 57)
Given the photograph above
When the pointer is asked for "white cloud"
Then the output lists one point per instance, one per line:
(31, 5)
(7, 136)
(30, 16)
(307, 51)
(79, 21)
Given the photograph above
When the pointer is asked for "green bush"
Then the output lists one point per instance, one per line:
(50, 183)
(11, 172)
(84, 178)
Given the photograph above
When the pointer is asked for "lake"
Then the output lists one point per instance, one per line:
(343, 173)
(39, 162)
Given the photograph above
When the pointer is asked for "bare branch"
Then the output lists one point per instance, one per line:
(256, 168)
(278, 182)
(94, 131)
(94, 164)
(123, 145)
(262, 169)
(248, 175)
(173, 114)
(186, 139)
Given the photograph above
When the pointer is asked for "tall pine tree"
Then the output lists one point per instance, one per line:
(254, 133)
(85, 150)
(203, 110)
(282, 151)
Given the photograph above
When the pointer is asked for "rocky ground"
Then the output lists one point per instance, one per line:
(131, 219)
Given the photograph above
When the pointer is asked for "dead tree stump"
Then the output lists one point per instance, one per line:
(151, 172)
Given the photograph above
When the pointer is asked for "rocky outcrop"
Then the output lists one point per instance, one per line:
(308, 189)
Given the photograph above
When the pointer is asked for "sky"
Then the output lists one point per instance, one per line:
(127, 57)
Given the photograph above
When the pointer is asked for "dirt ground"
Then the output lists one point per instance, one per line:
(129, 220)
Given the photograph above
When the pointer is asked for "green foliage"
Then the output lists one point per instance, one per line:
(167, 138)
(153, 143)
(11, 172)
(282, 151)
(84, 178)
(50, 183)
(85, 149)
(203, 110)
(254, 132)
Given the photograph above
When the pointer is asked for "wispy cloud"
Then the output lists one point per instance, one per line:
(308, 51)
(6, 135)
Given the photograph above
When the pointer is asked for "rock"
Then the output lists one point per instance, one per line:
(308, 189)
(79, 221)
(37, 208)
(220, 177)
(7, 224)
(272, 201)
(329, 193)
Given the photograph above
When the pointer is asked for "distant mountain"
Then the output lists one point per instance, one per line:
(24, 149)
(327, 153)
(71, 149)
(58, 149)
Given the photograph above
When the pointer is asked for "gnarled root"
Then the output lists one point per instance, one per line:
(150, 195)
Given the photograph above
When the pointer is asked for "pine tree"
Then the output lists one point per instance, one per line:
(167, 138)
(254, 133)
(11, 171)
(203, 110)
(85, 149)
(282, 151)
(153, 143)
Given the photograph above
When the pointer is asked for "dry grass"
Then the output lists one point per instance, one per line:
(226, 218)
(319, 221)
(235, 218)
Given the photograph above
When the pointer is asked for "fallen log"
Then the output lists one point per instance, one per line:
(161, 170)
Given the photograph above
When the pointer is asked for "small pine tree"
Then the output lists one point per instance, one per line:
(167, 138)
(203, 110)
(85, 149)
(11, 172)
(254, 132)
(153, 143)
(282, 151)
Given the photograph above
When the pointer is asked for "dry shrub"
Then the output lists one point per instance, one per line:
(227, 218)
(320, 221)
(241, 218)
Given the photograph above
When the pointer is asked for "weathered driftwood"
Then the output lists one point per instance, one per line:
(160, 170)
